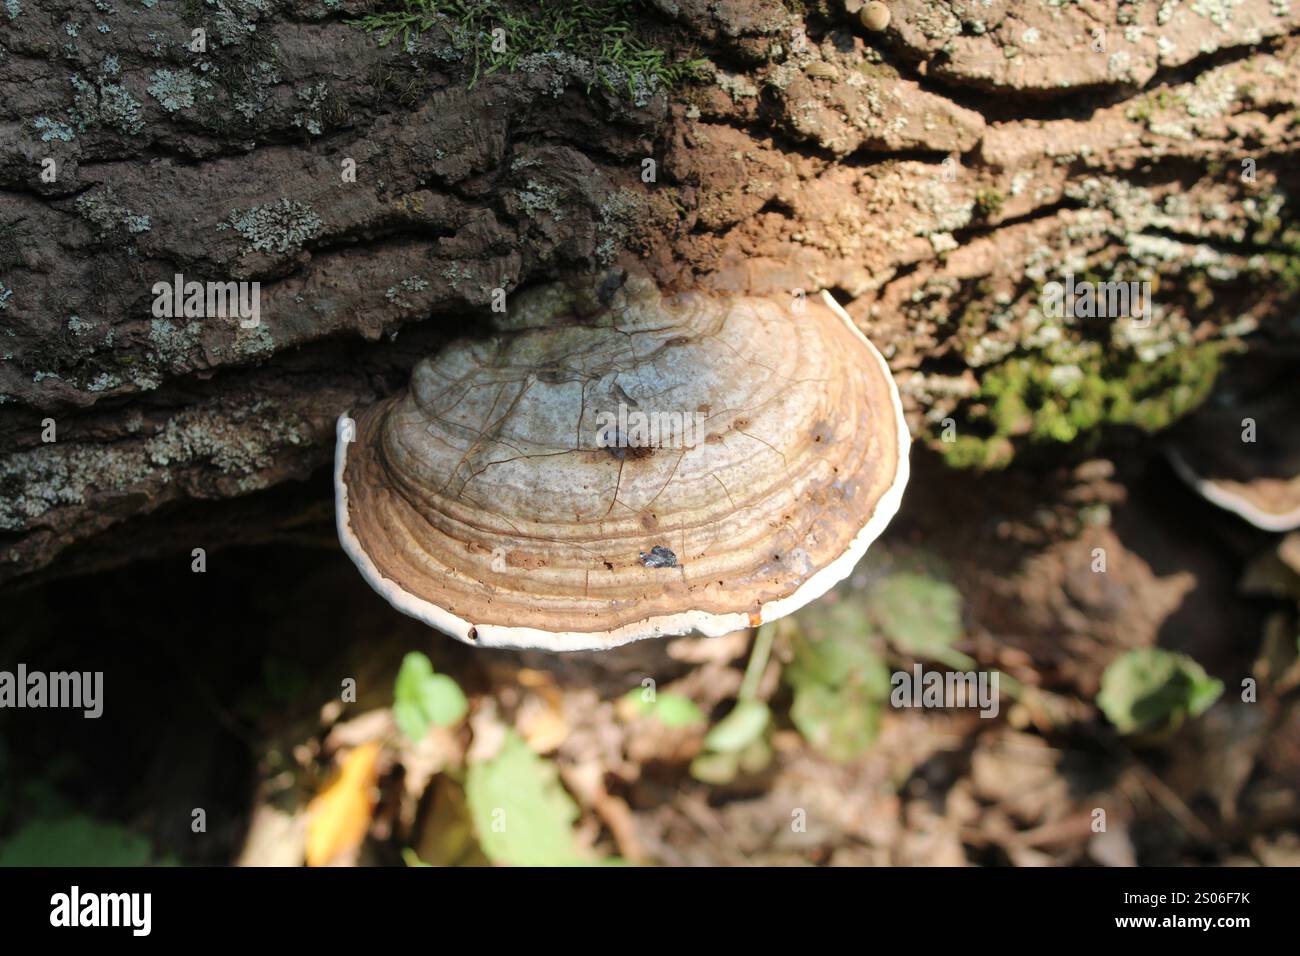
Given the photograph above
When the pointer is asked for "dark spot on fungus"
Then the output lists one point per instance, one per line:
(622, 449)
(473, 634)
(658, 557)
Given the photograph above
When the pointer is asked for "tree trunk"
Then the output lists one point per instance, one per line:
(934, 175)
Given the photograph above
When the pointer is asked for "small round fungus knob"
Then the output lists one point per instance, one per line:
(875, 16)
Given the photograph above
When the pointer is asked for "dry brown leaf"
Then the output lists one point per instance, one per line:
(275, 838)
(423, 760)
(338, 817)
(1289, 551)
(529, 677)
(489, 732)
(541, 720)
(372, 726)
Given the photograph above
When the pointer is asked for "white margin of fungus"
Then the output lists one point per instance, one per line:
(703, 622)
(1215, 493)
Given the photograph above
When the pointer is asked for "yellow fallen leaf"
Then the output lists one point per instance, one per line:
(338, 816)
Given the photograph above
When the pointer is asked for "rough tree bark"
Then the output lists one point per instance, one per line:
(932, 175)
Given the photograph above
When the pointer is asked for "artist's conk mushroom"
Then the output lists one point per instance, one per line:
(611, 465)
(1243, 454)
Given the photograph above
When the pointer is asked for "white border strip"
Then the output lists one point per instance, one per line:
(704, 622)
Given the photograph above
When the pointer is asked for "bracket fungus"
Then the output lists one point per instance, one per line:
(612, 464)
(1244, 456)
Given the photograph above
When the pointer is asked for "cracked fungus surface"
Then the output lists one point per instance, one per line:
(485, 499)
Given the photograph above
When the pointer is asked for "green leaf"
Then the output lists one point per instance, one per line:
(1151, 689)
(675, 710)
(444, 701)
(919, 614)
(411, 858)
(828, 661)
(410, 720)
(840, 718)
(841, 618)
(74, 841)
(421, 697)
(636, 696)
(671, 710)
(755, 757)
(842, 724)
(839, 680)
(740, 728)
(715, 768)
(521, 814)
